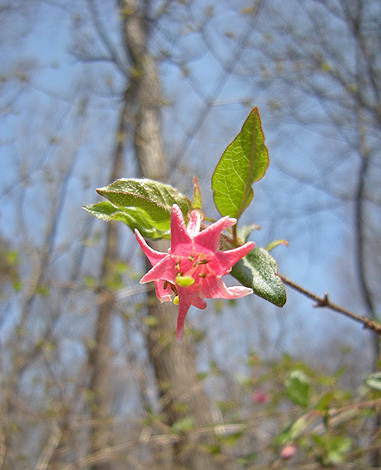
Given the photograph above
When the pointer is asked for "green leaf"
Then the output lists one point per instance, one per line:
(298, 388)
(197, 200)
(231, 439)
(141, 203)
(246, 461)
(213, 449)
(245, 231)
(183, 425)
(374, 381)
(133, 217)
(42, 290)
(325, 401)
(258, 270)
(243, 162)
(293, 430)
(276, 243)
(151, 321)
(334, 448)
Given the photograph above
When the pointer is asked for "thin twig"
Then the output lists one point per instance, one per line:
(325, 302)
(51, 446)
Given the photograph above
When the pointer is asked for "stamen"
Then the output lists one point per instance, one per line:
(202, 261)
(184, 281)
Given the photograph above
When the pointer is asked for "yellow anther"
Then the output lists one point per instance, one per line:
(184, 281)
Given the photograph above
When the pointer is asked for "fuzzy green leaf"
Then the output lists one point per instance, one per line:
(197, 200)
(183, 425)
(333, 449)
(298, 387)
(243, 162)
(140, 203)
(258, 270)
(293, 430)
(374, 381)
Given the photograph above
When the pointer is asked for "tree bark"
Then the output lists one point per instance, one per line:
(180, 390)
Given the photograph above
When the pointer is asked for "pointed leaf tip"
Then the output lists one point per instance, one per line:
(197, 200)
(244, 162)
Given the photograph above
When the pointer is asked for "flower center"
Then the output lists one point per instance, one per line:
(191, 269)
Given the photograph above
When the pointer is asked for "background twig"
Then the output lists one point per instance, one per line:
(325, 302)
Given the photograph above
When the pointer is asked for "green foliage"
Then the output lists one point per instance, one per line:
(244, 232)
(183, 425)
(197, 199)
(324, 420)
(146, 205)
(9, 268)
(332, 449)
(247, 461)
(293, 431)
(276, 243)
(151, 321)
(231, 439)
(198, 335)
(42, 290)
(258, 270)
(373, 381)
(115, 276)
(140, 203)
(298, 388)
(89, 281)
(243, 162)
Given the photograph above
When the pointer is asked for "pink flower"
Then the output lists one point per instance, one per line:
(288, 451)
(194, 265)
(260, 397)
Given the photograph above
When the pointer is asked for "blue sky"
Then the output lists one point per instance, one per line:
(317, 226)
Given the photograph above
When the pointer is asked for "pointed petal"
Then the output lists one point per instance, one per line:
(223, 261)
(153, 255)
(164, 295)
(209, 238)
(214, 288)
(194, 224)
(236, 292)
(179, 234)
(164, 270)
(184, 305)
(199, 303)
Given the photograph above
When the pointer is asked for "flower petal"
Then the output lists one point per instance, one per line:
(153, 255)
(184, 305)
(163, 270)
(199, 303)
(209, 238)
(194, 224)
(179, 234)
(214, 288)
(236, 292)
(223, 261)
(163, 294)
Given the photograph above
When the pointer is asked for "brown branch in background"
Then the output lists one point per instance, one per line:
(325, 302)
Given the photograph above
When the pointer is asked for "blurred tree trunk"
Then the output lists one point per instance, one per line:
(100, 355)
(174, 363)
